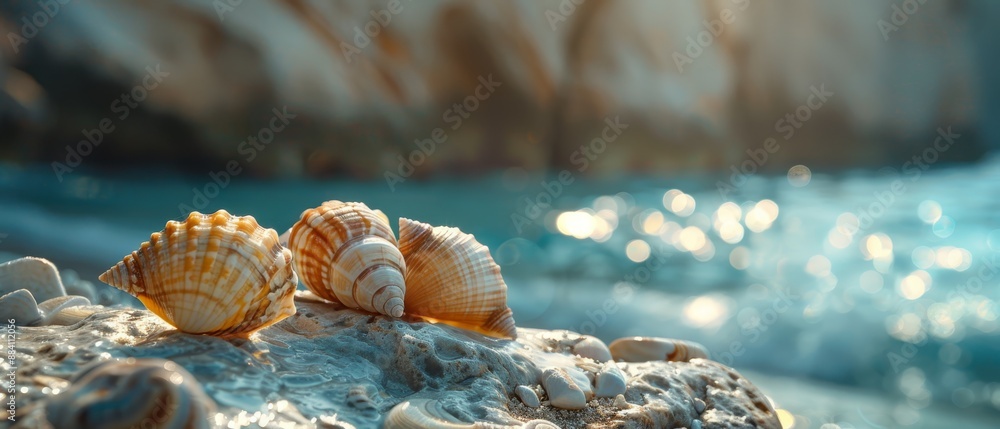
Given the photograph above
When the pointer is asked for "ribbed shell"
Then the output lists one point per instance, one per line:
(346, 253)
(451, 278)
(215, 274)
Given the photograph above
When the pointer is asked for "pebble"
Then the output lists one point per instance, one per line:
(527, 396)
(610, 381)
(620, 402)
(562, 390)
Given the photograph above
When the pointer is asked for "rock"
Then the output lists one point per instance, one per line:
(20, 306)
(642, 349)
(562, 389)
(527, 396)
(620, 402)
(591, 347)
(37, 275)
(610, 381)
(325, 350)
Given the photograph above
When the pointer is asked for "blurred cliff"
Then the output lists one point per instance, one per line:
(186, 83)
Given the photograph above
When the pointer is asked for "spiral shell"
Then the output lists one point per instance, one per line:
(346, 253)
(215, 274)
(452, 279)
(153, 393)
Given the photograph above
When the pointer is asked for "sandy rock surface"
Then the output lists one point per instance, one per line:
(332, 367)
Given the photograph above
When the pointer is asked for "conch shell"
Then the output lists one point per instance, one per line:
(451, 278)
(215, 274)
(346, 253)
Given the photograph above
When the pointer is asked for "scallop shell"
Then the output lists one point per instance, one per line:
(645, 349)
(133, 393)
(215, 274)
(346, 253)
(452, 279)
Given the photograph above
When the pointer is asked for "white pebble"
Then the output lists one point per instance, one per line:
(527, 396)
(610, 381)
(562, 391)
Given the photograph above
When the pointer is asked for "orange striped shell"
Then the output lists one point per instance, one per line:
(451, 278)
(346, 253)
(215, 274)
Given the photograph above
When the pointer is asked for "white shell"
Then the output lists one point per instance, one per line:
(215, 274)
(20, 306)
(593, 348)
(53, 308)
(424, 414)
(346, 253)
(153, 393)
(451, 278)
(645, 349)
(539, 424)
(37, 275)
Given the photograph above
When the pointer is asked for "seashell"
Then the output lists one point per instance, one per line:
(562, 390)
(52, 309)
(593, 348)
(215, 274)
(644, 349)
(610, 382)
(346, 253)
(132, 393)
(539, 424)
(357, 398)
(20, 306)
(37, 275)
(527, 396)
(452, 279)
(426, 414)
(331, 422)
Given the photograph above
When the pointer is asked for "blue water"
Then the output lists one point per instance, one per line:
(858, 278)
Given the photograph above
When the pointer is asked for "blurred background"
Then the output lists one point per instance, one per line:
(807, 188)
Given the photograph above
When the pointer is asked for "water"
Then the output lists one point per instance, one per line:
(883, 280)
